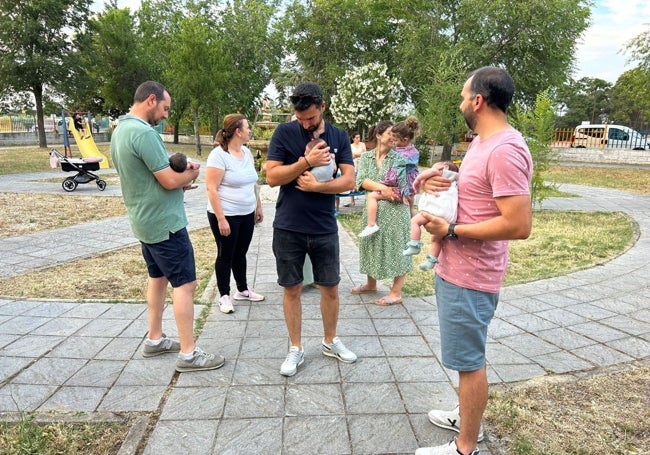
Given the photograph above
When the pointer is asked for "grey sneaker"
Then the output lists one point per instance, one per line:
(295, 358)
(200, 361)
(450, 420)
(337, 349)
(445, 449)
(165, 346)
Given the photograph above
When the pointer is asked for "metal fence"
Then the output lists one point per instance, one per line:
(603, 136)
(18, 123)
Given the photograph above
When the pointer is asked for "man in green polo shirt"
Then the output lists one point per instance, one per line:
(153, 195)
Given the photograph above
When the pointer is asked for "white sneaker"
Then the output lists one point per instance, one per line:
(450, 420)
(337, 349)
(249, 294)
(295, 358)
(446, 449)
(369, 230)
(225, 304)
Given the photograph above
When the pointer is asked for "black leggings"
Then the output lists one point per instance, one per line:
(231, 250)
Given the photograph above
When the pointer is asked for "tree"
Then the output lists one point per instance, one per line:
(536, 125)
(439, 103)
(585, 100)
(35, 40)
(328, 37)
(639, 48)
(534, 40)
(252, 49)
(114, 59)
(630, 98)
(364, 96)
(192, 61)
(218, 57)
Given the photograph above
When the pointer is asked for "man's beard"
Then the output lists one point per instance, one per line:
(313, 128)
(470, 119)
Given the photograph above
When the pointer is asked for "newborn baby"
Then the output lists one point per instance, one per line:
(326, 172)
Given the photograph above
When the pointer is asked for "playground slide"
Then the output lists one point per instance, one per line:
(86, 144)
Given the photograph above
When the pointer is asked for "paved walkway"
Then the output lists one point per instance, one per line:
(84, 358)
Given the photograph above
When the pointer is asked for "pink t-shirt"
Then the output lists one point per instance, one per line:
(497, 167)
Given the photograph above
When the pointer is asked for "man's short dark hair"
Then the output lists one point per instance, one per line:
(494, 84)
(305, 95)
(149, 88)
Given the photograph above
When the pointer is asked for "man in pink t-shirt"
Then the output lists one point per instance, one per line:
(494, 206)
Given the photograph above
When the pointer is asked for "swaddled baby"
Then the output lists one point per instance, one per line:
(326, 172)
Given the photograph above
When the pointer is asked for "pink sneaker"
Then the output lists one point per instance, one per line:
(225, 305)
(248, 295)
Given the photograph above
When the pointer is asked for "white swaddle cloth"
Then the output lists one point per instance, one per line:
(445, 203)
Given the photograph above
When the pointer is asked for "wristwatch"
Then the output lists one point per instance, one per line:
(450, 232)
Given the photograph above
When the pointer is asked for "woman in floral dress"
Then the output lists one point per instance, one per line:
(381, 254)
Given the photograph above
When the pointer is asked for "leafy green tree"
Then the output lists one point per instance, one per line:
(534, 40)
(218, 57)
(251, 48)
(114, 59)
(630, 98)
(325, 38)
(536, 125)
(364, 96)
(639, 48)
(34, 43)
(192, 62)
(439, 104)
(585, 100)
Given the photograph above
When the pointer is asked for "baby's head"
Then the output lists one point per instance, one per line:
(445, 166)
(178, 162)
(323, 173)
(450, 166)
(314, 142)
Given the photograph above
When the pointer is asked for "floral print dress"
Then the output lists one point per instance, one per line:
(380, 254)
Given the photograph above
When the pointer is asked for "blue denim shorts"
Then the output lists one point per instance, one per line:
(464, 316)
(172, 259)
(290, 249)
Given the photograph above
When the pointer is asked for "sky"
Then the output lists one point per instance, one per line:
(599, 54)
(613, 23)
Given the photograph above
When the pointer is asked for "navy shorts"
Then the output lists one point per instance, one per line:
(290, 249)
(172, 259)
(464, 316)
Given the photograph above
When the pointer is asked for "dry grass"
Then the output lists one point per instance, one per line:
(18, 160)
(625, 179)
(27, 437)
(41, 212)
(603, 414)
(551, 250)
(544, 418)
(116, 275)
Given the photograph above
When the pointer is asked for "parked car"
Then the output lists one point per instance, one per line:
(610, 136)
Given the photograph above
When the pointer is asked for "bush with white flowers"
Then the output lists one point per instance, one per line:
(364, 96)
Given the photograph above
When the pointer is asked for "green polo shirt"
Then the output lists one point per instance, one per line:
(138, 152)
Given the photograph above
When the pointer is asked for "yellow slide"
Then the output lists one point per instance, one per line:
(86, 144)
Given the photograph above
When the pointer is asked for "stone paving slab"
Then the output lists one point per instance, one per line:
(62, 356)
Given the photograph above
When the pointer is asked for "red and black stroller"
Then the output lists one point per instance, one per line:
(83, 168)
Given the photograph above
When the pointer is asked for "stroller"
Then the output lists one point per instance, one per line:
(81, 166)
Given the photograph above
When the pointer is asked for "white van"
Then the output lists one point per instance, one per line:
(610, 136)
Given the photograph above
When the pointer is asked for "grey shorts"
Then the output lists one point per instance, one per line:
(464, 316)
(290, 249)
